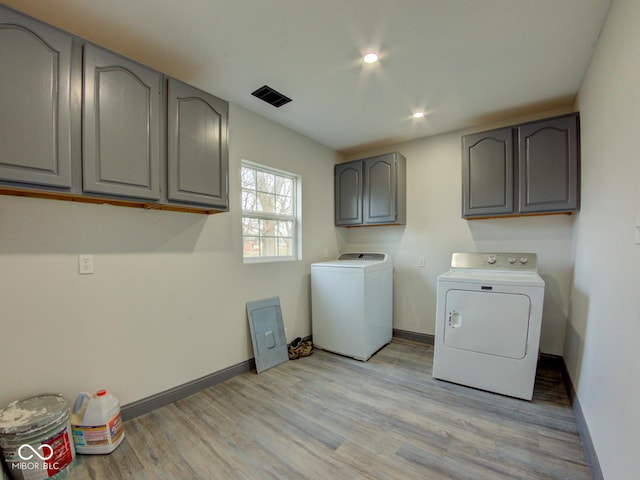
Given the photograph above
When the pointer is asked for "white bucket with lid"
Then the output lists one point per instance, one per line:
(35, 437)
(96, 423)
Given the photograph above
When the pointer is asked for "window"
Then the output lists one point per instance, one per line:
(270, 205)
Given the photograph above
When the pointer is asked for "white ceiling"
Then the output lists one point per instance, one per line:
(462, 61)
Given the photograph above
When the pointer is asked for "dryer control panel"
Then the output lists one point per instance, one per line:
(509, 261)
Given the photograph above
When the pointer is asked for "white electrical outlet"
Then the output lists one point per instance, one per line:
(85, 264)
(421, 261)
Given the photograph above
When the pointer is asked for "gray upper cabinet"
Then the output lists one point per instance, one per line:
(81, 123)
(371, 191)
(121, 126)
(35, 113)
(379, 193)
(487, 173)
(548, 165)
(348, 193)
(198, 159)
(523, 169)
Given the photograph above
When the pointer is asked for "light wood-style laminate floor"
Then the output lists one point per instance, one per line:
(331, 417)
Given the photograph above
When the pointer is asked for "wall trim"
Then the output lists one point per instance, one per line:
(414, 336)
(583, 429)
(148, 404)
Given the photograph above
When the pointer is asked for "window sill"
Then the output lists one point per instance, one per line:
(250, 260)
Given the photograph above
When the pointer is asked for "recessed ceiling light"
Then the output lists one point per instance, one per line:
(418, 115)
(370, 58)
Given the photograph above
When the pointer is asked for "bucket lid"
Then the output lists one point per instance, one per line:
(33, 413)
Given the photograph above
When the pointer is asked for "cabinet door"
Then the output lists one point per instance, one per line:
(35, 113)
(121, 126)
(348, 193)
(487, 173)
(548, 165)
(197, 146)
(379, 196)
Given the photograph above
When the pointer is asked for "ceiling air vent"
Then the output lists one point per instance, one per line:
(270, 96)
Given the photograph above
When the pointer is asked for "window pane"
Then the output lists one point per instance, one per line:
(285, 249)
(284, 186)
(250, 226)
(285, 229)
(284, 205)
(268, 228)
(266, 182)
(251, 246)
(268, 246)
(266, 203)
(249, 201)
(248, 178)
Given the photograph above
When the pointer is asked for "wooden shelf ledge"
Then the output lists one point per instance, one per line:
(69, 197)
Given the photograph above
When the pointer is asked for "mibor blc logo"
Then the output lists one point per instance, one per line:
(43, 452)
(36, 459)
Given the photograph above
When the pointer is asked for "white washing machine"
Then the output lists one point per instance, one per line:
(352, 304)
(488, 319)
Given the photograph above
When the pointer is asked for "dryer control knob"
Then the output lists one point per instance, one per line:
(512, 260)
(524, 259)
(491, 259)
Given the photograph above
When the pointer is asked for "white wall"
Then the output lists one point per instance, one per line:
(435, 230)
(603, 339)
(166, 303)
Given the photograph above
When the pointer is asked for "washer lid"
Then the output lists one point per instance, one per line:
(363, 257)
(357, 260)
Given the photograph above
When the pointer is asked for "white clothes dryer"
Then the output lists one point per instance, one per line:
(352, 304)
(488, 321)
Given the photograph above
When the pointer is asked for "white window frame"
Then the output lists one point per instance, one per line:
(296, 217)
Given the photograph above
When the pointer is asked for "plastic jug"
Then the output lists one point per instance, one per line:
(96, 423)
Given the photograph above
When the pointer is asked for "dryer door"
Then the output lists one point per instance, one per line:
(487, 322)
